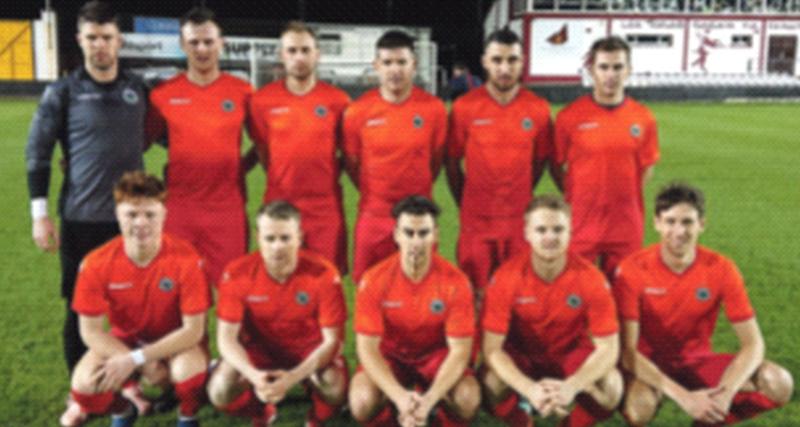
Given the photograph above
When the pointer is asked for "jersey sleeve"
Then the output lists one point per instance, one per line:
(601, 311)
(155, 122)
(497, 305)
(457, 132)
(543, 141)
(368, 315)
(351, 133)
(439, 135)
(648, 153)
(195, 293)
(332, 309)
(734, 296)
(46, 127)
(90, 298)
(561, 138)
(626, 295)
(460, 321)
(230, 304)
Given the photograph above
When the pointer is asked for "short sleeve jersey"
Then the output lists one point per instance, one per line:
(500, 144)
(299, 138)
(414, 319)
(203, 126)
(283, 319)
(606, 151)
(396, 145)
(547, 320)
(142, 303)
(677, 313)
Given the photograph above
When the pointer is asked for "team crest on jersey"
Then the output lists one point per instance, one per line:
(574, 301)
(418, 122)
(527, 123)
(228, 105)
(301, 298)
(636, 130)
(130, 96)
(166, 284)
(320, 111)
(437, 306)
(702, 294)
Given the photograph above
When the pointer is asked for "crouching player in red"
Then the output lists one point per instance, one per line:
(550, 329)
(414, 324)
(151, 289)
(280, 316)
(669, 296)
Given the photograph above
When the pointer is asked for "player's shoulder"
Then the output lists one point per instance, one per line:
(363, 103)
(178, 249)
(169, 87)
(243, 266)
(270, 89)
(643, 261)
(532, 98)
(446, 270)
(432, 101)
(515, 266)
(637, 107)
(103, 254)
(336, 93)
(316, 266)
(235, 82)
(712, 260)
(586, 271)
(574, 109)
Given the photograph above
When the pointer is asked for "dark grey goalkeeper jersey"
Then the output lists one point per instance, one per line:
(101, 129)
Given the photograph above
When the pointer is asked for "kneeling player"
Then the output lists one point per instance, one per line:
(281, 312)
(151, 289)
(550, 328)
(414, 322)
(669, 295)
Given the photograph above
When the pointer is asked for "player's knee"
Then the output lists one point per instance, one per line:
(494, 388)
(83, 380)
(155, 373)
(640, 407)
(219, 391)
(187, 364)
(613, 388)
(467, 398)
(775, 382)
(333, 385)
(363, 400)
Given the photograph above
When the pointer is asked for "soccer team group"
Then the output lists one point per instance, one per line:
(526, 325)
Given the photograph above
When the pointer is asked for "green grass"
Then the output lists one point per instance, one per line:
(745, 157)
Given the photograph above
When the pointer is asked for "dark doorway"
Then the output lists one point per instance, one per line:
(782, 54)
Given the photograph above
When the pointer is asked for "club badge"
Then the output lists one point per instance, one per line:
(636, 130)
(418, 122)
(228, 105)
(301, 298)
(130, 96)
(437, 306)
(527, 123)
(166, 284)
(320, 111)
(702, 294)
(574, 301)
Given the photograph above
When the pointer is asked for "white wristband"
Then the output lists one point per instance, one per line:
(38, 208)
(138, 357)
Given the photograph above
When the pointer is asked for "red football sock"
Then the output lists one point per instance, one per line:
(321, 410)
(586, 413)
(100, 403)
(192, 394)
(445, 418)
(746, 405)
(245, 405)
(510, 413)
(384, 418)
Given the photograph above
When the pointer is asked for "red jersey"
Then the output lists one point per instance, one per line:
(283, 319)
(548, 320)
(298, 137)
(395, 145)
(500, 144)
(414, 319)
(677, 313)
(142, 303)
(606, 150)
(203, 125)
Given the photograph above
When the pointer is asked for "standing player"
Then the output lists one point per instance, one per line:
(503, 132)
(669, 296)
(605, 147)
(414, 324)
(393, 144)
(150, 288)
(97, 113)
(550, 328)
(201, 112)
(281, 312)
(296, 127)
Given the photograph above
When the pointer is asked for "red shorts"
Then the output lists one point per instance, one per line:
(327, 236)
(703, 370)
(263, 361)
(374, 241)
(220, 236)
(553, 367)
(610, 254)
(420, 372)
(485, 243)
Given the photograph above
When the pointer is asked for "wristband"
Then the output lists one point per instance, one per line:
(38, 208)
(138, 357)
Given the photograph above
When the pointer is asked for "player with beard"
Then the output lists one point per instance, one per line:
(296, 127)
(606, 145)
(414, 324)
(393, 143)
(550, 328)
(502, 132)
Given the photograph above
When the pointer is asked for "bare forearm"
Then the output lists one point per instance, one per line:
(647, 372)
(379, 372)
(234, 354)
(599, 362)
(505, 368)
(318, 358)
(747, 360)
(104, 344)
(451, 369)
(173, 343)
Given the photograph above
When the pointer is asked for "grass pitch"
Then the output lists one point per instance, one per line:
(745, 157)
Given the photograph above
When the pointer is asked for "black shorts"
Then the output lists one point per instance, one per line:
(78, 239)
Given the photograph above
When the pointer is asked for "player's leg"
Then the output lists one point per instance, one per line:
(373, 242)
(590, 410)
(327, 236)
(641, 402)
(588, 249)
(231, 393)
(368, 405)
(222, 237)
(774, 381)
(86, 392)
(614, 253)
(189, 371)
(328, 391)
(461, 403)
(501, 401)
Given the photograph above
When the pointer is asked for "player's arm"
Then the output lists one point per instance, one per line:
(456, 139)
(558, 172)
(647, 174)
(438, 143)
(319, 357)
(455, 177)
(233, 352)
(119, 361)
(505, 368)
(600, 361)
(749, 357)
(193, 327)
(155, 129)
(369, 354)
(351, 144)
(542, 150)
(450, 371)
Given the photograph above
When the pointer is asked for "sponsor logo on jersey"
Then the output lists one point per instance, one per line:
(119, 286)
(93, 96)
(301, 298)
(320, 111)
(527, 123)
(526, 300)
(279, 110)
(437, 306)
(130, 96)
(166, 284)
(228, 105)
(652, 290)
(588, 125)
(636, 130)
(391, 304)
(574, 301)
(482, 122)
(376, 122)
(702, 294)
(180, 101)
(257, 298)
(418, 122)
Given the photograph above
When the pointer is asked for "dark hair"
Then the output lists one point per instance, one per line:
(139, 185)
(416, 205)
(279, 209)
(395, 39)
(608, 44)
(680, 192)
(199, 15)
(298, 27)
(549, 201)
(503, 36)
(97, 12)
